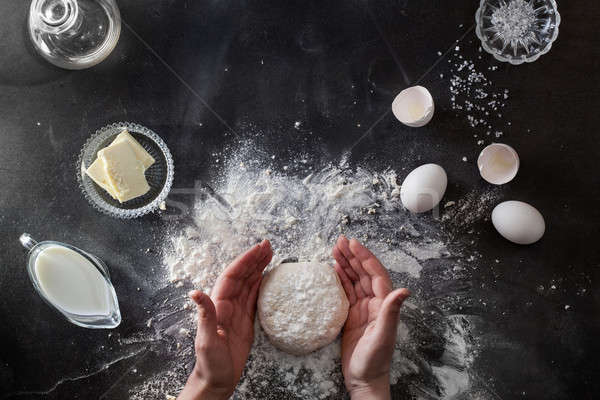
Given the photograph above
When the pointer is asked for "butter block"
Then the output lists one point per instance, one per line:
(124, 171)
(141, 154)
(96, 172)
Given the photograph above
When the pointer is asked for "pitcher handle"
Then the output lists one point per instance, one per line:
(27, 241)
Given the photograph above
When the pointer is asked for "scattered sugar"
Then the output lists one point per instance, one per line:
(513, 21)
(473, 96)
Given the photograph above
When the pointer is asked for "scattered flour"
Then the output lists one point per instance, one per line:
(303, 217)
(473, 207)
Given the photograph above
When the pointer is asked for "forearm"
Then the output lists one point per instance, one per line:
(379, 390)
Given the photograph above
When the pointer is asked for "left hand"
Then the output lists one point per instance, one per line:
(226, 326)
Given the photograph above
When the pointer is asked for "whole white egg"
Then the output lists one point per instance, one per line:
(423, 188)
(518, 222)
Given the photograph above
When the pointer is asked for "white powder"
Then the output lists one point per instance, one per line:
(303, 216)
(317, 375)
(473, 207)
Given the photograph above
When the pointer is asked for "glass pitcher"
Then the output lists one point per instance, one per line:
(74, 282)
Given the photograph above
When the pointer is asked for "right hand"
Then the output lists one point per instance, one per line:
(370, 330)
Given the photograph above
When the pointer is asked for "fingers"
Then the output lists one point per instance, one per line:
(343, 244)
(257, 270)
(362, 266)
(236, 279)
(252, 297)
(256, 258)
(267, 256)
(341, 259)
(387, 320)
(254, 281)
(360, 280)
(366, 259)
(346, 284)
(207, 316)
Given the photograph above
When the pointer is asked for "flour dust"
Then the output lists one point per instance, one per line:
(302, 214)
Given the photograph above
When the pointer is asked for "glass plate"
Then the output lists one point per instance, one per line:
(159, 175)
(517, 31)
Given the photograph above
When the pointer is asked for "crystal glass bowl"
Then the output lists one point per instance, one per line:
(159, 175)
(517, 31)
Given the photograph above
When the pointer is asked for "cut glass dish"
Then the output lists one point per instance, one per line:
(159, 175)
(517, 31)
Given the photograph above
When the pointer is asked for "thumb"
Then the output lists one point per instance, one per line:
(207, 316)
(387, 320)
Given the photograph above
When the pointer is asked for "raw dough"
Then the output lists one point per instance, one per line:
(302, 306)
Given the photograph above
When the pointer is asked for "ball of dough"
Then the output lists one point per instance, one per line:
(302, 306)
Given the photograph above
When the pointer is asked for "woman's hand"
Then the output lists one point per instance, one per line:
(370, 331)
(226, 326)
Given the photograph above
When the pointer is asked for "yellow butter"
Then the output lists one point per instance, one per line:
(124, 172)
(141, 154)
(96, 172)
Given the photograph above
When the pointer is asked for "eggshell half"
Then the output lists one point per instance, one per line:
(423, 188)
(413, 106)
(498, 163)
(518, 222)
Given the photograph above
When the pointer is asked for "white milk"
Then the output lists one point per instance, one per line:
(71, 282)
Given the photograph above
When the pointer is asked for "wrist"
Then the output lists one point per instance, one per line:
(377, 389)
(209, 393)
(196, 388)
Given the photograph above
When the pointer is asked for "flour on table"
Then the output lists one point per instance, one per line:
(302, 216)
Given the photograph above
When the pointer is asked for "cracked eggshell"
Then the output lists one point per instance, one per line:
(423, 188)
(413, 106)
(498, 163)
(518, 222)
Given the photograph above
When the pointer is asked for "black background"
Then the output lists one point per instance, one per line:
(261, 66)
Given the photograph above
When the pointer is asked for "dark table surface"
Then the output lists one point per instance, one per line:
(230, 65)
